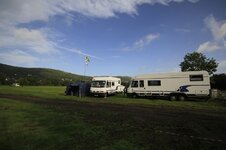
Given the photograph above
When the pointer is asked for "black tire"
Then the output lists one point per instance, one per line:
(181, 97)
(172, 97)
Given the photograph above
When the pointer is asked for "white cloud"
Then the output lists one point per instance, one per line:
(218, 31)
(14, 14)
(17, 57)
(17, 11)
(222, 66)
(35, 40)
(208, 47)
(222, 63)
(110, 8)
(141, 43)
(145, 40)
(77, 51)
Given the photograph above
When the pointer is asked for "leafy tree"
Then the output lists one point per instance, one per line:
(2, 80)
(197, 61)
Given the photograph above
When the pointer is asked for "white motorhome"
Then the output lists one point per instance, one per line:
(173, 85)
(104, 86)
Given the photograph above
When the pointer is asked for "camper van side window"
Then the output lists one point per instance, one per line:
(154, 83)
(134, 84)
(141, 83)
(113, 83)
(108, 84)
(196, 77)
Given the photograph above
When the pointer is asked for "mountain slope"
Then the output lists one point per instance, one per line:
(37, 76)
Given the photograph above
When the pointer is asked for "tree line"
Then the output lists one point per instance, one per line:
(34, 81)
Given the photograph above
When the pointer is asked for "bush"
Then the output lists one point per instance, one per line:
(218, 81)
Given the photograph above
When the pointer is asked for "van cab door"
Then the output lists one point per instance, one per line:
(137, 87)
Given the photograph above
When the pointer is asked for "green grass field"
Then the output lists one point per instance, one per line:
(57, 93)
(41, 117)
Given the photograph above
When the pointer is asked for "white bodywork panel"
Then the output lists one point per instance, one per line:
(103, 85)
(190, 83)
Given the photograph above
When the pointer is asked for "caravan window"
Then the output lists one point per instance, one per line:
(113, 83)
(154, 83)
(98, 84)
(141, 83)
(108, 84)
(196, 77)
(134, 84)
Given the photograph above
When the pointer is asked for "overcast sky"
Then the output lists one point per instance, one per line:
(121, 37)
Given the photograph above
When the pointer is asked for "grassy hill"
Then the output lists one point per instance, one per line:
(37, 76)
(41, 76)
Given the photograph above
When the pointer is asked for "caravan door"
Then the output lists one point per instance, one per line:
(137, 87)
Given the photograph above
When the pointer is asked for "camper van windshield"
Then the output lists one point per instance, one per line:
(98, 84)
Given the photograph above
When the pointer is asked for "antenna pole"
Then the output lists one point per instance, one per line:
(86, 62)
(84, 71)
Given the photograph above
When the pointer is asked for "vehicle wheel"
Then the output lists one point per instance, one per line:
(173, 97)
(181, 98)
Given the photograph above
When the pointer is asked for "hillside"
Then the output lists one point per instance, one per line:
(37, 76)
(41, 76)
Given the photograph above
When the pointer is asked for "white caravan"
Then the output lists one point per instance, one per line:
(173, 85)
(104, 86)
